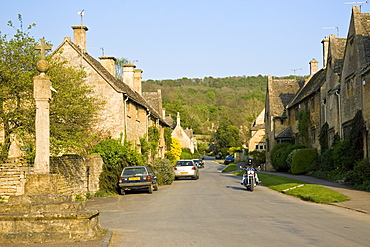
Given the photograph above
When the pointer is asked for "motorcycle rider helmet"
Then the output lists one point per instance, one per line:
(250, 161)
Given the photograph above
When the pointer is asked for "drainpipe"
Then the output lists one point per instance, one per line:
(340, 115)
(125, 116)
(147, 123)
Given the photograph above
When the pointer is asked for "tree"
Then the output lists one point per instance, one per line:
(175, 151)
(72, 109)
(226, 136)
(118, 66)
(17, 68)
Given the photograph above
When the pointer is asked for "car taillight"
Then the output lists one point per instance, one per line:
(148, 178)
(193, 168)
(120, 180)
(175, 168)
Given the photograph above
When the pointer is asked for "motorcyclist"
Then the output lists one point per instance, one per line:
(250, 165)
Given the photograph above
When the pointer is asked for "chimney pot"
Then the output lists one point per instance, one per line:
(314, 66)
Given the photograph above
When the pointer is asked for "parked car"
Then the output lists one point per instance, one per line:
(186, 168)
(228, 160)
(137, 178)
(218, 157)
(199, 163)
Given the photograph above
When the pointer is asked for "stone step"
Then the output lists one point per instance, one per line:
(40, 199)
(68, 207)
(61, 227)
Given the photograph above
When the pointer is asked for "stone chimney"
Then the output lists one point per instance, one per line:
(128, 74)
(325, 46)
(80, 36)
(137, 80)
(314, 66)
(108, 64)
(163, 112)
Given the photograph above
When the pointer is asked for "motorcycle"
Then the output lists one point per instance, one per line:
(249, 179)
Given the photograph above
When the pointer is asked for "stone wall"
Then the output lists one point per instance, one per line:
(77, 175)
(81, 174)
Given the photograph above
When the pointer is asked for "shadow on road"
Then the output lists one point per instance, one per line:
(236, 188)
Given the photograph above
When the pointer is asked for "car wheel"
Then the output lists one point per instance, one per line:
(156, 187)
(122, 192)
(150, 189)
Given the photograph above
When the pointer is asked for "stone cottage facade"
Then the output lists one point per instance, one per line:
(186, 137)
(258, 140)
(279, 93)
(332, 95)
(126, 113)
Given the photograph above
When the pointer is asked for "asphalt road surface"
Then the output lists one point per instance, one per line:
(217, 211)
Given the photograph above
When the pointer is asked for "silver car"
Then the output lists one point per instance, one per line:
(186, 168)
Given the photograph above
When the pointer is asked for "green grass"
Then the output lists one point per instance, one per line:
(308, 192)
(229, 168)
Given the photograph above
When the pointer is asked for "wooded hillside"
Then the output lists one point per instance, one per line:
(205, 103)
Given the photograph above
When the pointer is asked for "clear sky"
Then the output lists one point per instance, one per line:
(171, 39)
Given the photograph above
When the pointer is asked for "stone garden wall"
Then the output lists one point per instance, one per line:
(77, 175)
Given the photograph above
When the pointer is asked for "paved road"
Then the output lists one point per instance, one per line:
(217, 211)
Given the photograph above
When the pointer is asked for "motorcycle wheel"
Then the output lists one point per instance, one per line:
(252, 185)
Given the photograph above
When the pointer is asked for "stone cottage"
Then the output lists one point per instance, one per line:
(186, 137)
(279, 93)
(332, 95)
(126, 114)
(257, 140)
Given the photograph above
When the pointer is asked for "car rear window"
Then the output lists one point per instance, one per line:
(184, 163)
(135, 171)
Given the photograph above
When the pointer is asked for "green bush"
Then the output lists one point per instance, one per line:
(360, 177)
(280, 154)
(186, 154)
(165, 173)
(341, 155)
(115, 157)
(259, 157)
(303, 160)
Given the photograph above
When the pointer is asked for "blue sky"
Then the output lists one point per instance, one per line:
(172, 39)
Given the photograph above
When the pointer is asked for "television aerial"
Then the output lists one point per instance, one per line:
(81, 13)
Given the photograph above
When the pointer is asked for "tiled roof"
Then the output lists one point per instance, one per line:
(281, 93)
(312, 86)
(286, 134)
(114, 82)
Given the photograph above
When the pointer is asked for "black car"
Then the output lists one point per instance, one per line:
(218, 157)
(137, 178)
(228, 160)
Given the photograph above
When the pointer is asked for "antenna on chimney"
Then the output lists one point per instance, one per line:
(102, 51)
(294, 70)
(331, 28)
(360, 3)
(81, 13)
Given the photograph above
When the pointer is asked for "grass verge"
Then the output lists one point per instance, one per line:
(229, 168)
(308, 192)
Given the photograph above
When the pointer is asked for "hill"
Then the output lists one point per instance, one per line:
(206, 103)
